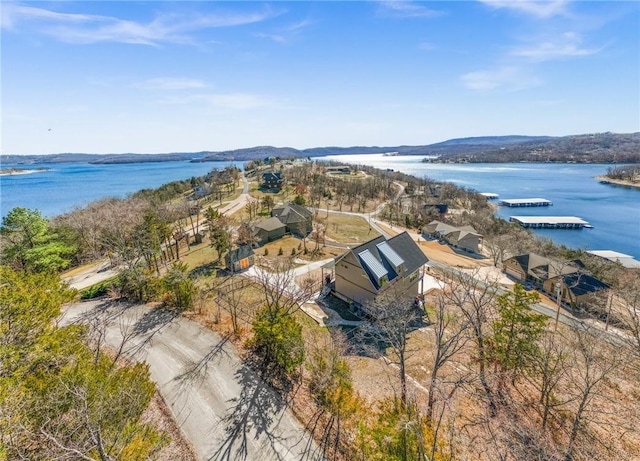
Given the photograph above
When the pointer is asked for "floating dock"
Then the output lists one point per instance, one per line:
(489, 195)
(550, 222)
(520, 202)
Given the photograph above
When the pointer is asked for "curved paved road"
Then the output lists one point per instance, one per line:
(223, 408)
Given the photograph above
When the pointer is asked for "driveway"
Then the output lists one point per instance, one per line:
(223, 408)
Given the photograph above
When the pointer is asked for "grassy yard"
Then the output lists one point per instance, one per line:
(347, 229)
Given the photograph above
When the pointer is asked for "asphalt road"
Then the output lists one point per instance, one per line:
(223, 408)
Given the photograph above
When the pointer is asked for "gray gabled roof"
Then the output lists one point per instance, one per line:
(291, 213)
(240, 253)
(270, 224)
(408, 250)
(376, 263)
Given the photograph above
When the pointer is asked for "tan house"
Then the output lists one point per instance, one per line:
(374, 268)
(464, 237)
(578, 290)
(575, 286)
(536, 269)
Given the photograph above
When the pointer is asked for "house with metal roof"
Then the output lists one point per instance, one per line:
(378, 267)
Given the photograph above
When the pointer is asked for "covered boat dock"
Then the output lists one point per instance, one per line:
(524, 202)
(550, 222)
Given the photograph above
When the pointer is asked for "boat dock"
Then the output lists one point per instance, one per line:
(521, 202)
(550, 222)
(489, 195)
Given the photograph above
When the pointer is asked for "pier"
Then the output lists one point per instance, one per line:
(489, 195)
(550, 222)
(523, 202)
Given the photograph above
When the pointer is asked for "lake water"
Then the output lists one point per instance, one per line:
(613, 211)
(67, 185)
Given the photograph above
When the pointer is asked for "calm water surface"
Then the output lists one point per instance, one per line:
(75, 184)
(613, 211)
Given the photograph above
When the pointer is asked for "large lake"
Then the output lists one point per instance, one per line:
(613, 211)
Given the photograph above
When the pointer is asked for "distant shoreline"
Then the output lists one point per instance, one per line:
(618, 182)
(16, 171)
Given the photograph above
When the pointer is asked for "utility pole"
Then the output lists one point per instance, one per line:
(558, 301)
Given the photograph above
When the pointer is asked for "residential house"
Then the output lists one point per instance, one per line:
(536, 269)
(370, 270)
(240, 258)
(272, 180)
(569, 279)
(296, 218)
(578, 289)
(268, 230)
(464, 237)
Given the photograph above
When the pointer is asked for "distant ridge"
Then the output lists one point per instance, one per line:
(585, 148)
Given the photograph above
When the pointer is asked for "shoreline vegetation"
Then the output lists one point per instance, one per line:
(17, 171)
(611, 148)
(604, 179)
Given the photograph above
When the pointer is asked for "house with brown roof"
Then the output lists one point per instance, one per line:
(465, 237)
(378, 267)
(296, 218)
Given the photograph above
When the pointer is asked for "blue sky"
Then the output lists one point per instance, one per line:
(147, 77)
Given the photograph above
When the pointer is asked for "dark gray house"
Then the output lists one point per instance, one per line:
(296, 218)
(269, 230)
(240, 258)
(272, 180)
(370, 270)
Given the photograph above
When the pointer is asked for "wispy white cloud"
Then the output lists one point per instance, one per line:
(170, 83)
(567, 45)
(85, 29)
(406, 9)
(286, 34)
(503, 78)
(541, 9)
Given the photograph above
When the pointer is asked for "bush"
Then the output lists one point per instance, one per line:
(293, 251)
(97, 290)
(280, 252)
(266, 251)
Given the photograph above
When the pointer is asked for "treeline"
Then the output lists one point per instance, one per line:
(588, 148)
(624, 172)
